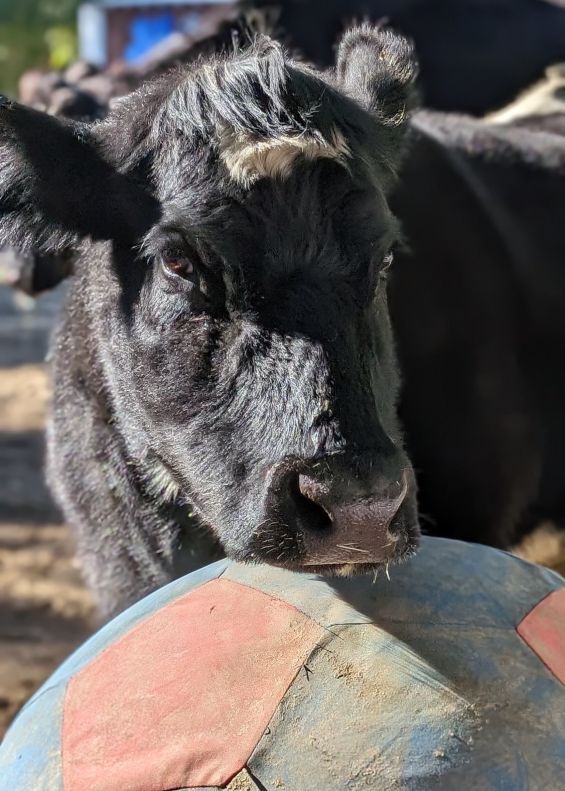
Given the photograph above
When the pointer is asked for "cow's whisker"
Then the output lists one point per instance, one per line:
(352, 548)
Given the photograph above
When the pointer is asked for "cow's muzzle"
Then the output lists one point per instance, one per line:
(344, 522)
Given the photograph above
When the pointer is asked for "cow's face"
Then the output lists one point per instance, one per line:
(247, 336)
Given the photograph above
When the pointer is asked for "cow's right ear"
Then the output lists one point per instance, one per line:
(56, 187)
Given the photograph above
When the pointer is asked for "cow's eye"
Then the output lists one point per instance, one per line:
(178, 265)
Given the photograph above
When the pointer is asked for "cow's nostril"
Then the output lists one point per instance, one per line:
(305, 498)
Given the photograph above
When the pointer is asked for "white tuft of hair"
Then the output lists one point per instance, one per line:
(248, 159)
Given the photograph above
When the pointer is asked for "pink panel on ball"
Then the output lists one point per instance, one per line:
(543, 629)
(184, 698)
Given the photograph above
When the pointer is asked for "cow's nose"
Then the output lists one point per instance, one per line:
(357, 519)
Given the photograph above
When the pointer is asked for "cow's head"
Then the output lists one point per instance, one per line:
(242, 240)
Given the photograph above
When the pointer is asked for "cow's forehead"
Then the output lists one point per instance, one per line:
(260, 111)
(257, 144)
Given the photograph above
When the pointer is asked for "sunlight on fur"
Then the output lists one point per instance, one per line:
(160, 484)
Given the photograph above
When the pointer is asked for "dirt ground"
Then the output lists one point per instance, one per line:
(45, 611)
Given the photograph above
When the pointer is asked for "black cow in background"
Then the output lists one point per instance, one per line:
(478, 306)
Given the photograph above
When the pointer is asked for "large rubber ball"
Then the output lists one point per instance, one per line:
(450, 675)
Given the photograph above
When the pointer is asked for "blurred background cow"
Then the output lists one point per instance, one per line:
(477, 295)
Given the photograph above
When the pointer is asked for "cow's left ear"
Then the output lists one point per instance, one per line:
(378, 68)
(56, 186)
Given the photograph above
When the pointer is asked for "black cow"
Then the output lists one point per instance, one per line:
(478, 308)
(225, 350)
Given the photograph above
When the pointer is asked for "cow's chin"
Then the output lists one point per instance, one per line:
(402, 546)
(353, 568)
(343, 570)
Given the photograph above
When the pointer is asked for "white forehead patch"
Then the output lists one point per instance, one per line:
(248, 159)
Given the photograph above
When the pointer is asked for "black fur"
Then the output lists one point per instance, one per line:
(477, 302)
(273, 359)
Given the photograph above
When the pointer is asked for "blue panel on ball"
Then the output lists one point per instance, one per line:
(30, 755)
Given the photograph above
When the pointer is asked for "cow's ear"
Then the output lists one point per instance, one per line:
(56, 187)
(377, 67)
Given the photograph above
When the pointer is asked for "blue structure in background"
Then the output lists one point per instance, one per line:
(146, 32)
(116, 30)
